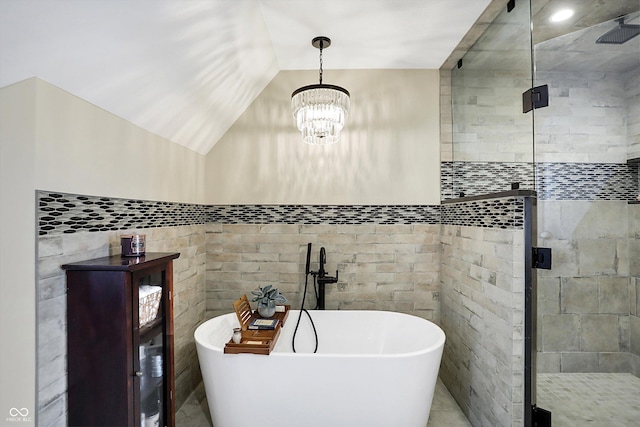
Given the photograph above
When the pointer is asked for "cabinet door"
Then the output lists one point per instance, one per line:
(99, 339)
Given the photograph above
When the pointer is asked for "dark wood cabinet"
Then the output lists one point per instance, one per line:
(119, 372)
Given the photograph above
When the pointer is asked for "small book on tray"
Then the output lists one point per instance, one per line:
(258, 323)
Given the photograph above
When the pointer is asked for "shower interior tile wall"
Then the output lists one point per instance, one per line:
(585, 319)
(632, 89)
(485, 128)
(586, 121)
(634, 289)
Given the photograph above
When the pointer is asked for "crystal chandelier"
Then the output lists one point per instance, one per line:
(320, 109)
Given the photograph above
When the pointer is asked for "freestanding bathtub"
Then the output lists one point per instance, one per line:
(372, 368)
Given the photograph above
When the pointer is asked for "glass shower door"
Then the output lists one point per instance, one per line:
(587, 145)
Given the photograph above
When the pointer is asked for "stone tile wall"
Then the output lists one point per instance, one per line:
(381, 267)
(585, 304)
(586, 120)
(189, 305)
(488, 123)
(634, 288)
(632, 91)
(584, 300)
(482, 306)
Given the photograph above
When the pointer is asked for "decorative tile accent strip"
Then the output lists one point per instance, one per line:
(68, 213)
(320, 214)
(446, 181)
(506, 213)
(478, 178)
(554, 181)
(587, 181)
(60, 213)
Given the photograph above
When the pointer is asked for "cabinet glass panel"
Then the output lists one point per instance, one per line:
(150, 299)
(151, 387)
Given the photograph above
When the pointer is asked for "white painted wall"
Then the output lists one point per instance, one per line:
(389, 152)
(83, 149)
(17, 250)
(52, 140)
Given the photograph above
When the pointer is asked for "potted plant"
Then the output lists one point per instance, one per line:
(267, 298)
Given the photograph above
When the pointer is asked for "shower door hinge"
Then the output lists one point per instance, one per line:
(536, 97)
(542, 258)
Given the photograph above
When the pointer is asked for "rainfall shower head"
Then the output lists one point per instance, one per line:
(621, 34)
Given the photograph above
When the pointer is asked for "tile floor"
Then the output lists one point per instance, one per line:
(598, 400)
(444, 410)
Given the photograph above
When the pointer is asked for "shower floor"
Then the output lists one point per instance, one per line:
(607, 400)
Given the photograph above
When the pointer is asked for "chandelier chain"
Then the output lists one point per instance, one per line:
(320, 61)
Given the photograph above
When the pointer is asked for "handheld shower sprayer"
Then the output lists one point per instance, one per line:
(307, 271)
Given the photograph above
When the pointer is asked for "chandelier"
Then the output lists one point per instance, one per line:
(320, 109)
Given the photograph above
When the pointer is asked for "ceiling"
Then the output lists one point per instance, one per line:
(587, 13)
(579, 52)
(571, 46)
(563, 46)
(187, 69)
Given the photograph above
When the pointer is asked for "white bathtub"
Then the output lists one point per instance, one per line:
(372, 368)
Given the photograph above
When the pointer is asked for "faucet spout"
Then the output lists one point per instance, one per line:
(323, 279)
(322, 262)
(322, 274)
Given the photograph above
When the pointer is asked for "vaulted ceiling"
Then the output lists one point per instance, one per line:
(187, 69)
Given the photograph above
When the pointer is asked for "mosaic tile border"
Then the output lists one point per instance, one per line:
(478, 178)
(324, 214)
(504, 213)
(61, 213)
(587, 181)
(554, 181)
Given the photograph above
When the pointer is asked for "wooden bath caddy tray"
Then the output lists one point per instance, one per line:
(254, 341)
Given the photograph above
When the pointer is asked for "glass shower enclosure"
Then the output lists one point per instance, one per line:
(579, 156)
